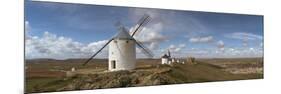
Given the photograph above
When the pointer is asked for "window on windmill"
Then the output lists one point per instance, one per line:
(115, 41)
(127, 41)
(113, 64)
(111, 52)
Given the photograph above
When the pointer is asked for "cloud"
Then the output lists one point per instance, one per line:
(220, 44)
(205, 39)
(261, 44)
(151, 36)
(242, 52)
(225, 53)
(245, 43)
(27, 29)
(244, 36)
(152, 33)
(176, 48)
(165, 26)
(59, 47)
(26, 26)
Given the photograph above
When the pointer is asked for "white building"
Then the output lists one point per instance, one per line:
(182, 62)
(173, 60)
(73, 69)
(165, 59)
(122, 52)
(169, 62)
(178, 61)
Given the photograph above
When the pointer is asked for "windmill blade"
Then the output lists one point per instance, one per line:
(96, 53)
(144, 20)
(169, 54)
(144, 49)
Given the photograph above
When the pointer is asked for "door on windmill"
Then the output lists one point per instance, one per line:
(113, 64)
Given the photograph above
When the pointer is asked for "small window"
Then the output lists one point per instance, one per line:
(115, 41)
(113, 64)
(127, 41)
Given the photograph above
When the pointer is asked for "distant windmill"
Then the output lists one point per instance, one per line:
(122, 49)
(166, 58)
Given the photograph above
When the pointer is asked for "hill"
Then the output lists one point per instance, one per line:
(144, 75)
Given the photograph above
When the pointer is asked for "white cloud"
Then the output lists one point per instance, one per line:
(27, 29)
(261, 44)
(225, 53)
(59, 47)
(205, 39)
(176, 48)
(220, 44)
(152, 33)
(245, 43)
(247, 38)
(94, 46)
(242, 52)
(27, 26)
(244, 36)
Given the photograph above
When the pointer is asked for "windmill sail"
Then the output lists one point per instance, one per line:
(169, 54)
(144, 49)
(144, 20)
(97, 52)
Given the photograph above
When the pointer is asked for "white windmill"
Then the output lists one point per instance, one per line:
(122, 48)
(166, 59)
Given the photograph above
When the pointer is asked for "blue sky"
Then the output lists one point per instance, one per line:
(57, 30)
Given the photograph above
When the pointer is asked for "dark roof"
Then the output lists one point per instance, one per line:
(165, 56)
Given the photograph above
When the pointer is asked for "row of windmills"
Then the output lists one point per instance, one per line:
(168, 59)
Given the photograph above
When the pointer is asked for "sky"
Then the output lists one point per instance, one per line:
(63, 31)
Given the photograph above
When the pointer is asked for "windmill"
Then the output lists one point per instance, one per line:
(166, 58)
(122, 47)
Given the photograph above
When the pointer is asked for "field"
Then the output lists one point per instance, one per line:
(48, 75)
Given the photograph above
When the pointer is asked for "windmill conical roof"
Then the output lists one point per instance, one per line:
(122, 34)
(165, 56)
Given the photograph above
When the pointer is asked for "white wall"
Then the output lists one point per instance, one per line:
(164, 60)
(124, 53)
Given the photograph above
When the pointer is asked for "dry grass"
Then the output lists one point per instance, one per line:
(47, 75)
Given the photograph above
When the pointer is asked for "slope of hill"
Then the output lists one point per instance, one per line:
(144, 76)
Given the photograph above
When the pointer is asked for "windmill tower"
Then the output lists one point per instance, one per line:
(122, 48)
(166, 58)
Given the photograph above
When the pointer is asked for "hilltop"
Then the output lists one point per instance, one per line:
(144, 75)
